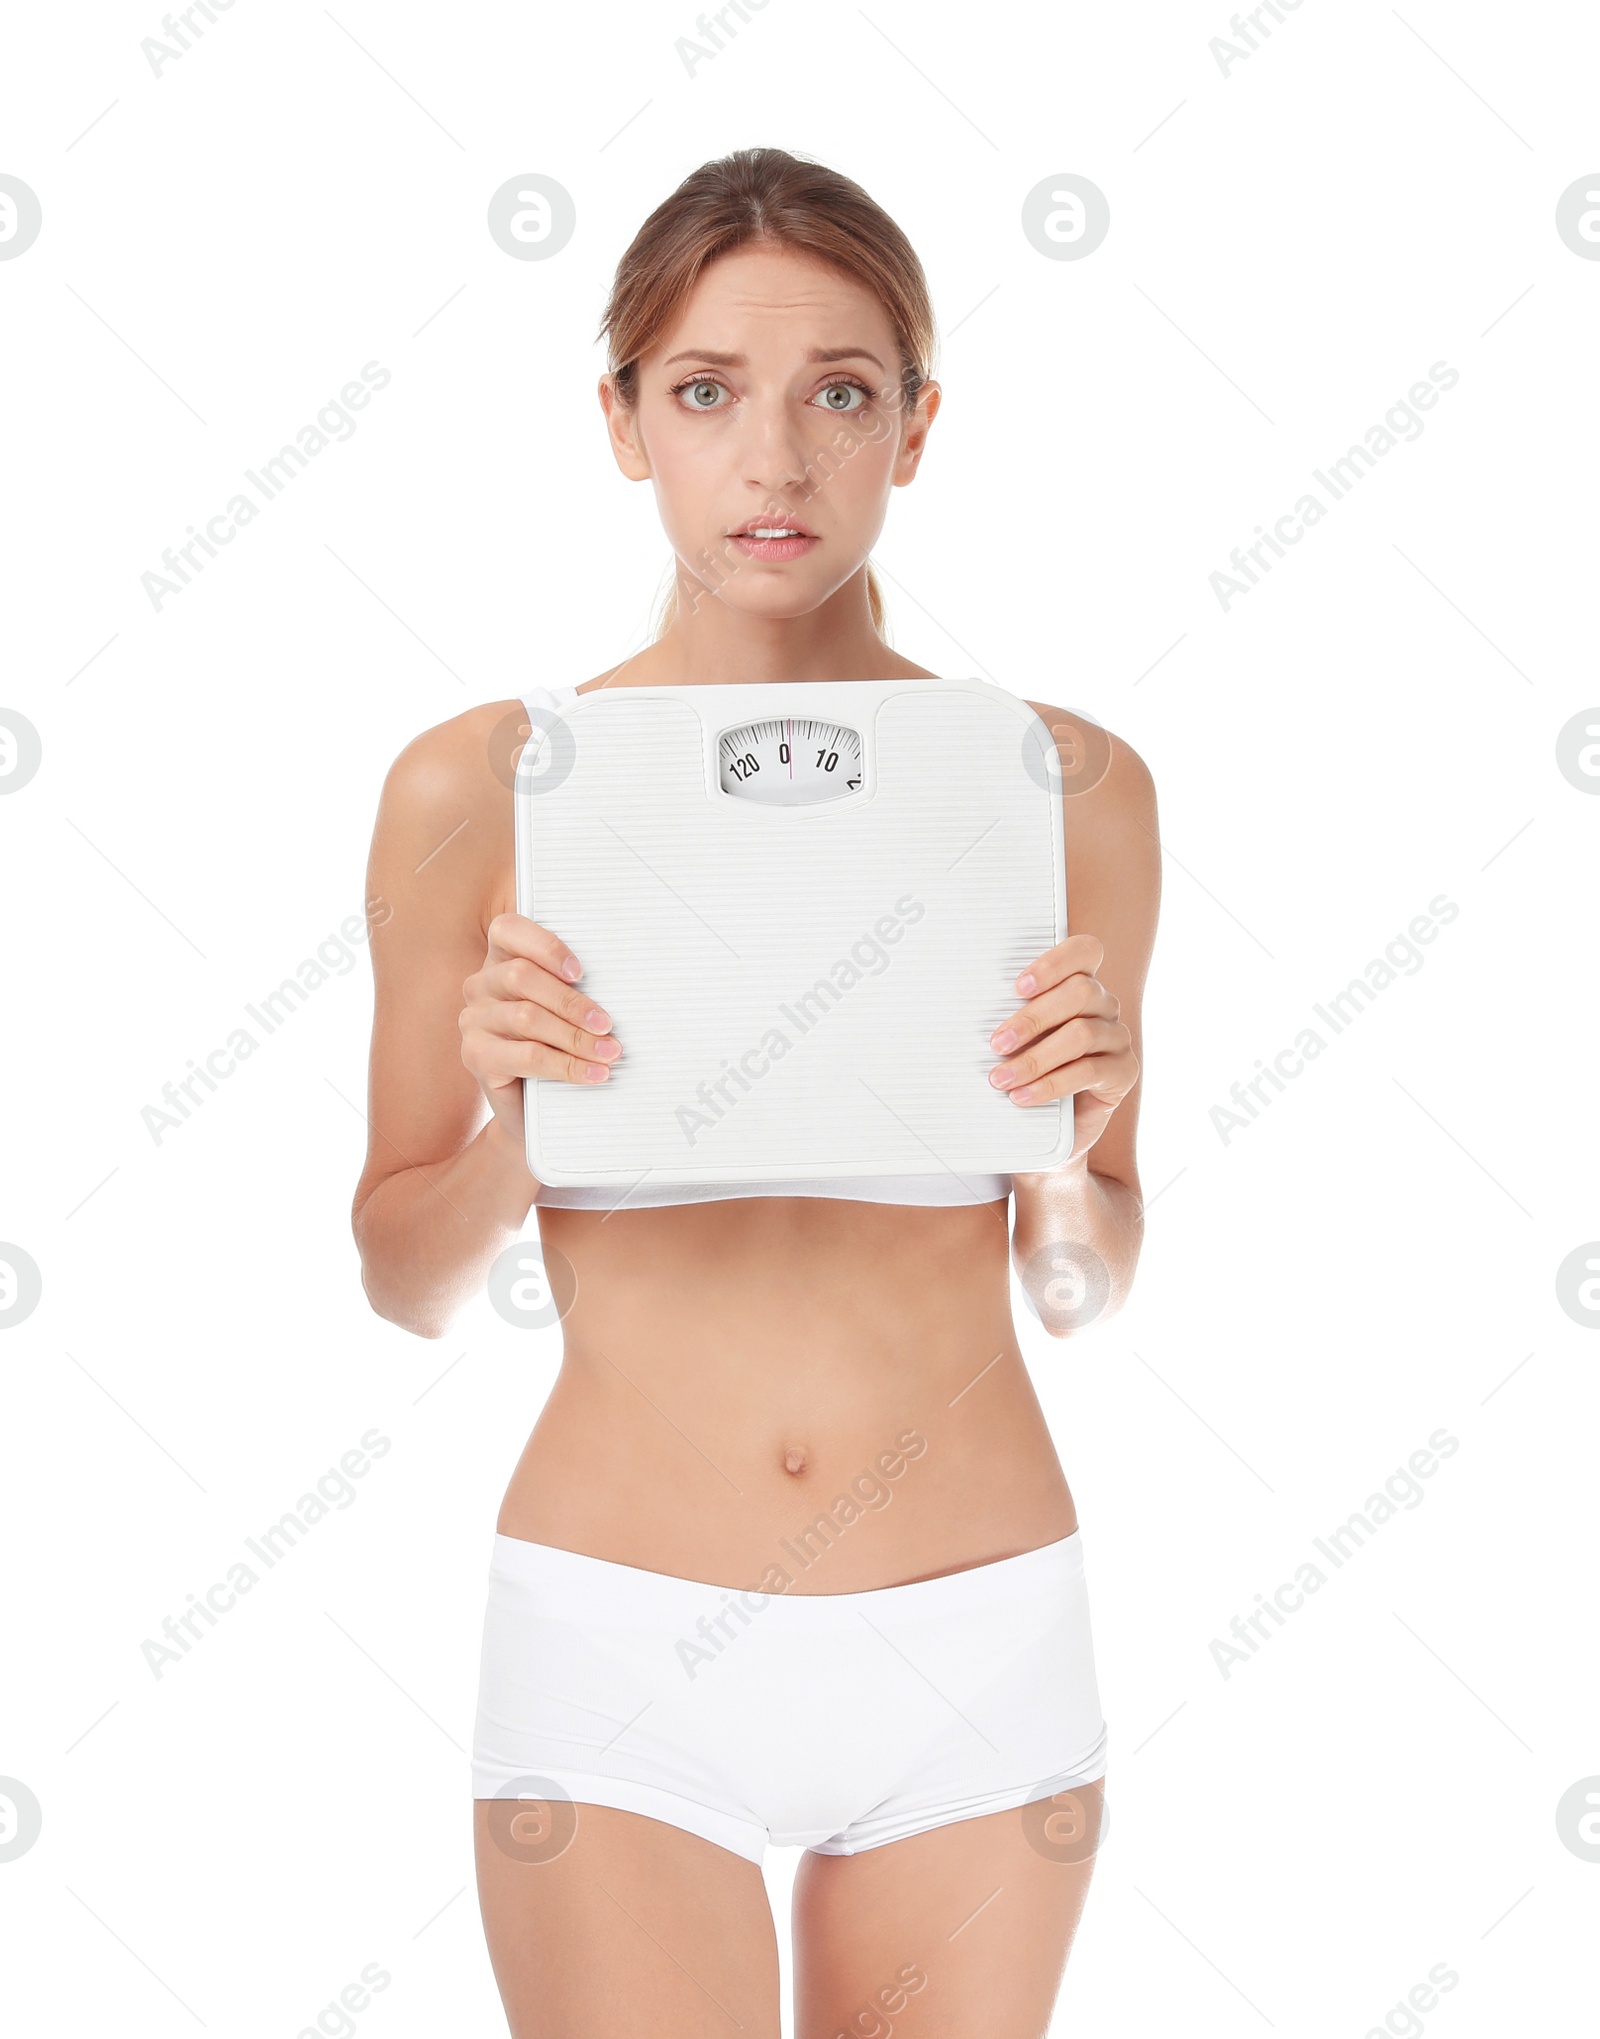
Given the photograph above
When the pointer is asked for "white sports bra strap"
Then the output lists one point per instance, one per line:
(548, 698)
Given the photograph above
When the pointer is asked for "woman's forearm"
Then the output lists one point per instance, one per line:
(428, 1235)
(1075, 1244)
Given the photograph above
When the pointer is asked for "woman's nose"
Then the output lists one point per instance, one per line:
(771, 445)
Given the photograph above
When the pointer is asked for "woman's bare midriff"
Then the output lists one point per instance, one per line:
(795, 1394)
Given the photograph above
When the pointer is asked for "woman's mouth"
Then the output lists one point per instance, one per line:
(774, 541)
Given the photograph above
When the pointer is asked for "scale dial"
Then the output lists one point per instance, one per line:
(790, 761)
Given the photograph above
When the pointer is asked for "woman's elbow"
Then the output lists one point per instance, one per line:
(389, 1294)
(407, 1312)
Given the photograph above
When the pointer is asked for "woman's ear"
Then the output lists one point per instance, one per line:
(622, 430)
(916, 434)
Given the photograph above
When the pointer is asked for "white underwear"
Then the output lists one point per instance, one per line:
(828, 1721)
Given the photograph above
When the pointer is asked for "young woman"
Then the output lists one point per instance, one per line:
(789, 1555)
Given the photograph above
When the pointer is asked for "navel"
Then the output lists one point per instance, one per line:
(794, 1459)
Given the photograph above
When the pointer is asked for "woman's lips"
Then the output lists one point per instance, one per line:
(772, 548)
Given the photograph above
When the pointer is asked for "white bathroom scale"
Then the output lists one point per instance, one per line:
(803, 906)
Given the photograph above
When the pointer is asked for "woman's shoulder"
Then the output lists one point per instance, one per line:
(1111, 833)
(1095, 760)
(475, 750)
(466, 754)
(444, 815)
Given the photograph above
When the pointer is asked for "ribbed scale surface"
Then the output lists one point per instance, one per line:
(718, 933)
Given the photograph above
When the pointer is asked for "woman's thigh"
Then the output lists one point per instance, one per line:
(635, 1929)
(961, 1932)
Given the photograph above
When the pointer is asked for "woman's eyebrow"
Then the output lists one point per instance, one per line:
(718, 360)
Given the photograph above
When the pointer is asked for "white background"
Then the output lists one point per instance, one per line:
(1293, 244)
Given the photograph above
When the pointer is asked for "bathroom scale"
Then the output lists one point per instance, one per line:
(804, 907)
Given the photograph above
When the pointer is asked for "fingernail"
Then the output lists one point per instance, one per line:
(598, 1072)
(1022, 1096)
(597, 1020)
(609, 1047)
(1004, 1040)
(572, 969)
(1025, 983)
(1002, 1079)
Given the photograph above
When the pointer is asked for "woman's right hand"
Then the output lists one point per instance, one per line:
(522, 1015)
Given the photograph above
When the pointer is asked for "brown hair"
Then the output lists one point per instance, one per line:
(790, 201)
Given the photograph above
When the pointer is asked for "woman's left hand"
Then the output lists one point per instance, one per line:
(1067, 1040)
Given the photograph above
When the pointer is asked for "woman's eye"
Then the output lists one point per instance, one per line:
(703, 394)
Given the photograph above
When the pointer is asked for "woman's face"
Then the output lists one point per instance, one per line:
(775, 403)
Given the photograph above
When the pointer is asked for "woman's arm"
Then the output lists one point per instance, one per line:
(469, 997)
(442, 1191)
(1078, 1228)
